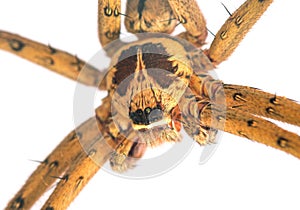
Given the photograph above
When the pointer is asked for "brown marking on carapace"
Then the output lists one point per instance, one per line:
(148, 56)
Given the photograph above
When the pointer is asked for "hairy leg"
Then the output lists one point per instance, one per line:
(109, 20)
(80, 145)
(188, 13)
(252, 127)
(51, 58)
(235, 28)
(51, 168)
(255, 101)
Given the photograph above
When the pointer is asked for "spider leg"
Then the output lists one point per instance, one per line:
(51, 168)
(235, 28)
(53, 59)
(235, 109)
(252, 127)
(188, 13)
(97, 151)
(252, 100)
(109, 20)
(76, 147)
(80, 172)
(126, 155)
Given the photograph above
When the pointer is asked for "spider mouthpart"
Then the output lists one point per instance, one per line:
(146, 116)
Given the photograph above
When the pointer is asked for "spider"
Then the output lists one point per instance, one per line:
(249, 162)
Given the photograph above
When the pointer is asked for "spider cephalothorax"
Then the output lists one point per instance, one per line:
(149, 83)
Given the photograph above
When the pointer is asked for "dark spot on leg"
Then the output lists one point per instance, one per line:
(251, 123)
(274, 100)
(77, 63)
(238, 97)
(79, 180)
(65, 177)
(238, 21)
(116, 12)
(182, 20)
(111, 35)
(282, 142)
(45, 161)
(54, 164)
(108, 11)
(49, 208)
(48, 61)
(18, 203)
(261, 1)
(78, 135)
(223, 35)
(16, 45)
(52, 50)
(272, 111)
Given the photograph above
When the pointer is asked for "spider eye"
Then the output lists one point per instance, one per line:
(155, 115)
(139, 112)
(147, 116)
(148, 110)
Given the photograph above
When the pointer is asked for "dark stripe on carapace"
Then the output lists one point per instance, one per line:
(155, 58)
(141, 7)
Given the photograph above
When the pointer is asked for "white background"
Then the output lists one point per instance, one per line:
(36, 113)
